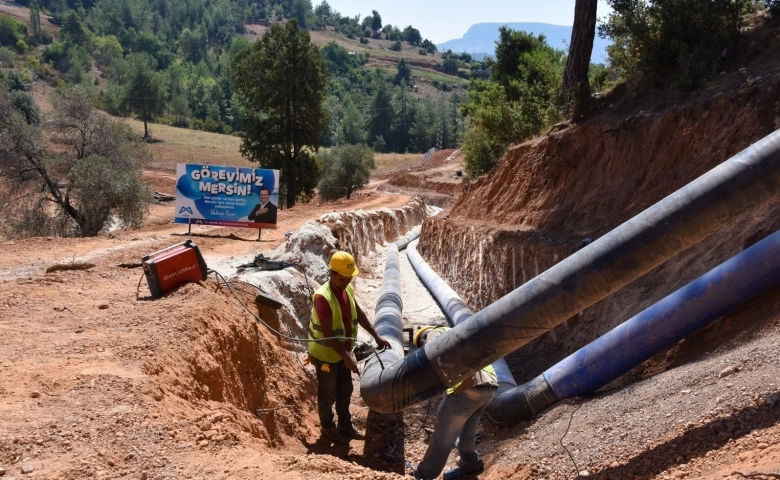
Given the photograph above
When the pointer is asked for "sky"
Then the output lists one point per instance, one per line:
(442, 20)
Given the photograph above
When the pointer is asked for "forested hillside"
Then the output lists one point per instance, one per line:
(167, 61)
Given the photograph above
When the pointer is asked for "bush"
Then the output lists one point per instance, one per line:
(345, 169)
(680, 37)
(481, 151)
(364, 40)
(7, 57)
(12, 32)
(396, 47)
(24, 102)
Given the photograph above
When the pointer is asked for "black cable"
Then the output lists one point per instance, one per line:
(383, 433)
(282, 335)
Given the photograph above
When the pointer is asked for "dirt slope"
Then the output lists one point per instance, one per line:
(672, 417)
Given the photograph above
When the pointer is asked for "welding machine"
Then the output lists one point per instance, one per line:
(173, 266)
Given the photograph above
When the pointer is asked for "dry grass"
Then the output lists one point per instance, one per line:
(173, 145)
(388, 162)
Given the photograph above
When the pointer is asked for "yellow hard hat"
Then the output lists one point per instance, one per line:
(419, 333)
(344, 264)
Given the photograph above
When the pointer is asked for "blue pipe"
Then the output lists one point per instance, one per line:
(702, 301)
(679, 221)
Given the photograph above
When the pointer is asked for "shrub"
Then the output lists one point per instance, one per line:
(396, 46)
(481, 151)
(345, 169)
(7, 57)
(25, 103)
(682, 37)
(12, 31)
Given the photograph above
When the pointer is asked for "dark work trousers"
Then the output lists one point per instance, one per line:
(334, 385)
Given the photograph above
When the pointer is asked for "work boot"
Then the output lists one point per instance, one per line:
(352, 432)
(471, 468)
(333, 434)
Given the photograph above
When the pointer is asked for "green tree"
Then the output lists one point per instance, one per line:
(345, 169)
(494, 124)
(376, 21)
(108, 51)
(145, 88)
(73, 30)
(679, 38)
(381, 113)
(35, 22)
(352, 127)
(93, 173)
(404, 75)
(412, 36)
(282, 81)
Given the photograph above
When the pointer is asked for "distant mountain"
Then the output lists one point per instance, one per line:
(480, 39)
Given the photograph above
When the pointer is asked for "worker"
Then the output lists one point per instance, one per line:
(335, 317)
(457, 418)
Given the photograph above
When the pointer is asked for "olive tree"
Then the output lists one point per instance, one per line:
(91, 172)
(345, 169)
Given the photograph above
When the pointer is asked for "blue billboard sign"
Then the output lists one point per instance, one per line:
(226, 196)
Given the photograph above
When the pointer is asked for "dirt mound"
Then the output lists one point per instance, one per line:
(221, 354)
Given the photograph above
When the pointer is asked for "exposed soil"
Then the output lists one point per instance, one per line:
(97, 383)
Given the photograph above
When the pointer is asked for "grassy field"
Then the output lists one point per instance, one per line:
(173, 145)
(387, 162)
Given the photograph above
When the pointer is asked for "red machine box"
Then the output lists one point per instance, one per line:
(174, 266)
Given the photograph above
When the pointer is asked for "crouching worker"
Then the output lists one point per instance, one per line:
(334, 319)
(458, 417)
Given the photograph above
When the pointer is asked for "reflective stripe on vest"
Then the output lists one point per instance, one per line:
(320, 350)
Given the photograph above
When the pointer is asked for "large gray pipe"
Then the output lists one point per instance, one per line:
(388, 319)
(672, 225)
(454, 307)
(402, 243)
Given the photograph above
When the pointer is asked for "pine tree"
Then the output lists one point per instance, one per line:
(281, 78)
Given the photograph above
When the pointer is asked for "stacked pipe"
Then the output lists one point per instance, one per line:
(454, 307)
(702, 301)
(388, 320)
(402, 243)
(672, 225)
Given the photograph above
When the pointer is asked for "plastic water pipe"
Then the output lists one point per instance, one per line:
(454, 307)
(704, 300)
(402, 243)
(388, 320)
(682, 219)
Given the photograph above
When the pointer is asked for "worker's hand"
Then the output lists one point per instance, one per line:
(382, 343)
(351, 363)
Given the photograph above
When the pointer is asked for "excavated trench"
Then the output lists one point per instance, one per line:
(227, 361)
(550, 196)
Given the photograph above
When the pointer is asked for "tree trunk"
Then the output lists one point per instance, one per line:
(291, 182)
(576, 88)
(146, 128)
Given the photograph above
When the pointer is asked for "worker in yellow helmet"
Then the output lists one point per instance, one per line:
(335, 317)
(457, 418)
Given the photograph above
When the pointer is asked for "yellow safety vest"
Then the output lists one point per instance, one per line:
(486, 376)
(320, 350)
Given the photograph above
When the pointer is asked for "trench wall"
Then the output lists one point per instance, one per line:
(551, 194)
